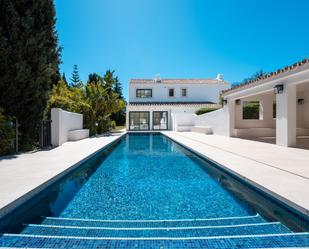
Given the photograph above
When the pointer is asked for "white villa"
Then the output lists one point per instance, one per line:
(281, 100)
(153, 103)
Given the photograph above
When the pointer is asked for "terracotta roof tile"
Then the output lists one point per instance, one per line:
(267, 76)
(178, 81)
(174, 103)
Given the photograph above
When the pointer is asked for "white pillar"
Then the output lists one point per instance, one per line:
(56, 126)
(150, 120)
(231, 116)
(286, 116)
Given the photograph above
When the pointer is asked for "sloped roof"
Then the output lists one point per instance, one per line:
(178, 81)
(270, 76)
(172, 103)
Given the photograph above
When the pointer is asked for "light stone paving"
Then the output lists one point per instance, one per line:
(281, 172)
(23, 176)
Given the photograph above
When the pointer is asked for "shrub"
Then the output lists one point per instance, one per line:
(113, 125)
(251, 110)
(6, 134)
(205, 110)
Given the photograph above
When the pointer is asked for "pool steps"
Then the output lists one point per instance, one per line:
(222, 242)
(158, 233)
(154, 223)
(222, 233)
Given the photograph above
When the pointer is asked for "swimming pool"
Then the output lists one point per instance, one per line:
(167, 190)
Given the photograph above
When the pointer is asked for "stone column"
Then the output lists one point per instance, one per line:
(286, 116)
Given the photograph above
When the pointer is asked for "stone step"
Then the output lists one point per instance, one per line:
(221, 242)
(153, 223)
(157, 232)
(202, 129)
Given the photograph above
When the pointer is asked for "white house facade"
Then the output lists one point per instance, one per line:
(153, 103)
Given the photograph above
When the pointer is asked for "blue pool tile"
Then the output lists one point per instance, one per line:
(219, 243)
(210, 222)
(150, 177)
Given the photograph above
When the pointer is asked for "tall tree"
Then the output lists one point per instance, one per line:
(104, 101)
(109, 80)
(75, 80)
(113, 84)
(118, 88)
(64, 79)
(95, 78)
(29, 60)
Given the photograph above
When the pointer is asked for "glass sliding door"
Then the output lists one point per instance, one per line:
(160, 121)
(139, 121)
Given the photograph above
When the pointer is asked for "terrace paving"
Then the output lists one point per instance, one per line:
(24, 175)
(281, 172)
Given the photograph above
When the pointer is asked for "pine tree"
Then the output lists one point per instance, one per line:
(118, 88)
(29, 60)
(75, 80)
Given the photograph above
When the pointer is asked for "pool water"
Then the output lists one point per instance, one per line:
(150, 177)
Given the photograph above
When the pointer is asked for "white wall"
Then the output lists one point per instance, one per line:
(266, 105)
(303, 110)
(171, 109)
(218, 120)
(183, 119)
(62, 122)
(195, 92)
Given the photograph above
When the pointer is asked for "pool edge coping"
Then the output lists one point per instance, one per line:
(10, 207)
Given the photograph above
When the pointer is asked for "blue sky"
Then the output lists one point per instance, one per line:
(181, 38)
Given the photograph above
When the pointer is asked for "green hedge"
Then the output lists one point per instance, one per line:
(205, 110)
(251, 110)
(6, 134)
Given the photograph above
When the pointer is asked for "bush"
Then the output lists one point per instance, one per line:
(251, 110)
(6, 134)
(113, 125)
(205, 110)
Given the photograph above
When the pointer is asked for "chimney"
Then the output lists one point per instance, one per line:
(157, 79)
(220, 77)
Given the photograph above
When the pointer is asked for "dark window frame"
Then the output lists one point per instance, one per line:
(131, 112)
(143, 89)
(186, 91)
(168, 93)
(153, 113)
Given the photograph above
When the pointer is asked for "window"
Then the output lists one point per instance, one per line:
(183, 92)
(171, 92)
(251, 110)
(143, 93)
(139, 121)
(274, 109)
(160, 121)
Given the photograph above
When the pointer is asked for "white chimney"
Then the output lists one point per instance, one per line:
(157, 79)
(220, 77)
